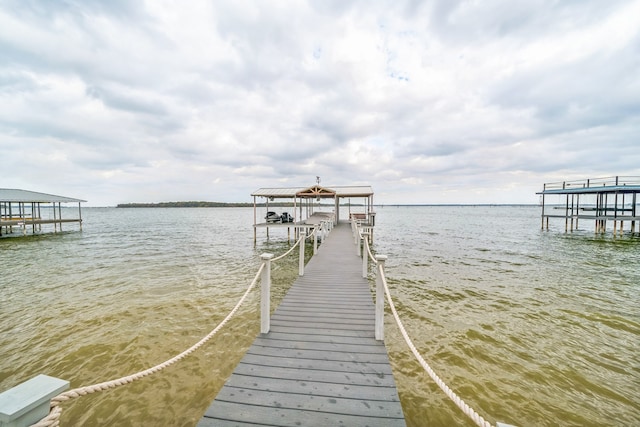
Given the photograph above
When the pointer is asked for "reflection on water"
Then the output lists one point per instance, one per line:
(528, 327)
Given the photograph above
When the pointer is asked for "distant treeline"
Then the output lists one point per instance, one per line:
(197, 205)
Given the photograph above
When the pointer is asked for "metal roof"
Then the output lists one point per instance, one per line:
(340, 191)
(353, 191)
(24, 196)
(289, 192)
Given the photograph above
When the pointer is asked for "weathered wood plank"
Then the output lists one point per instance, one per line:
(313, 315)
(318, 329)
(315, 388)
(334, 343)
(284, 361)
(337, 377)
(276, 416)
(311, 402)
(366, 357)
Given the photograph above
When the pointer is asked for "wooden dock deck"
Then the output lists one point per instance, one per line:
(320, 363)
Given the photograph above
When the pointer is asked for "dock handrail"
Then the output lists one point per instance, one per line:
(608, 181)
(279, 257)
(263, 273)
(382, 289)
(53, 419)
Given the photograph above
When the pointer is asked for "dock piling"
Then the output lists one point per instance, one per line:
(379, 319)
(315, 240)
(365, 257)
(303, 234)
(265, 294)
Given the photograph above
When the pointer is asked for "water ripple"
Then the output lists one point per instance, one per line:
(529, 327)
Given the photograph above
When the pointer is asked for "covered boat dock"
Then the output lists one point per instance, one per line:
(610, 199)
(307, 204)
(26, 210)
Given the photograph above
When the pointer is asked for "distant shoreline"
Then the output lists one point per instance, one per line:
(186, 205)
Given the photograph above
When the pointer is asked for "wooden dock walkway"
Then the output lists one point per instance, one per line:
(320, 364)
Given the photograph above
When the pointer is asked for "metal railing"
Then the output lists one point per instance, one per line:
(609, 181)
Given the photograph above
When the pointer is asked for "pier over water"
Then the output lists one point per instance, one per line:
(319, 360)
(24, 210)
(604, 200)
(320, 363)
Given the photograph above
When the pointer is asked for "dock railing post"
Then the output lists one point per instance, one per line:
(365, 256)
(356, 226)
(265, 294)
(303, 237)
(353, 229)
(359, 244)
(315, 240)
(379, 320)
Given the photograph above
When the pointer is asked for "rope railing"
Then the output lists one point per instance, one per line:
(367, 250)
(468, 411)
(368, 247)
(53, 418)
(382, 287)
(265, 296)
(288, 252)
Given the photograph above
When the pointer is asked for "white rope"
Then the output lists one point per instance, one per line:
(288, 252)
(450, 393)
(310, 235)
(53, 419)
(371, 257)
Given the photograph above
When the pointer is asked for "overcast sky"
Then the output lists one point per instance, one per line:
(429, 102)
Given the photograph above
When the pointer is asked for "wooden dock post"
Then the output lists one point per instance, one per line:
(265, 294)
(379, 319)
(633, 213)
(315, 240)
(365, 258)
(577, 210)
(566, 215)
(544, 188)
(303, 236)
